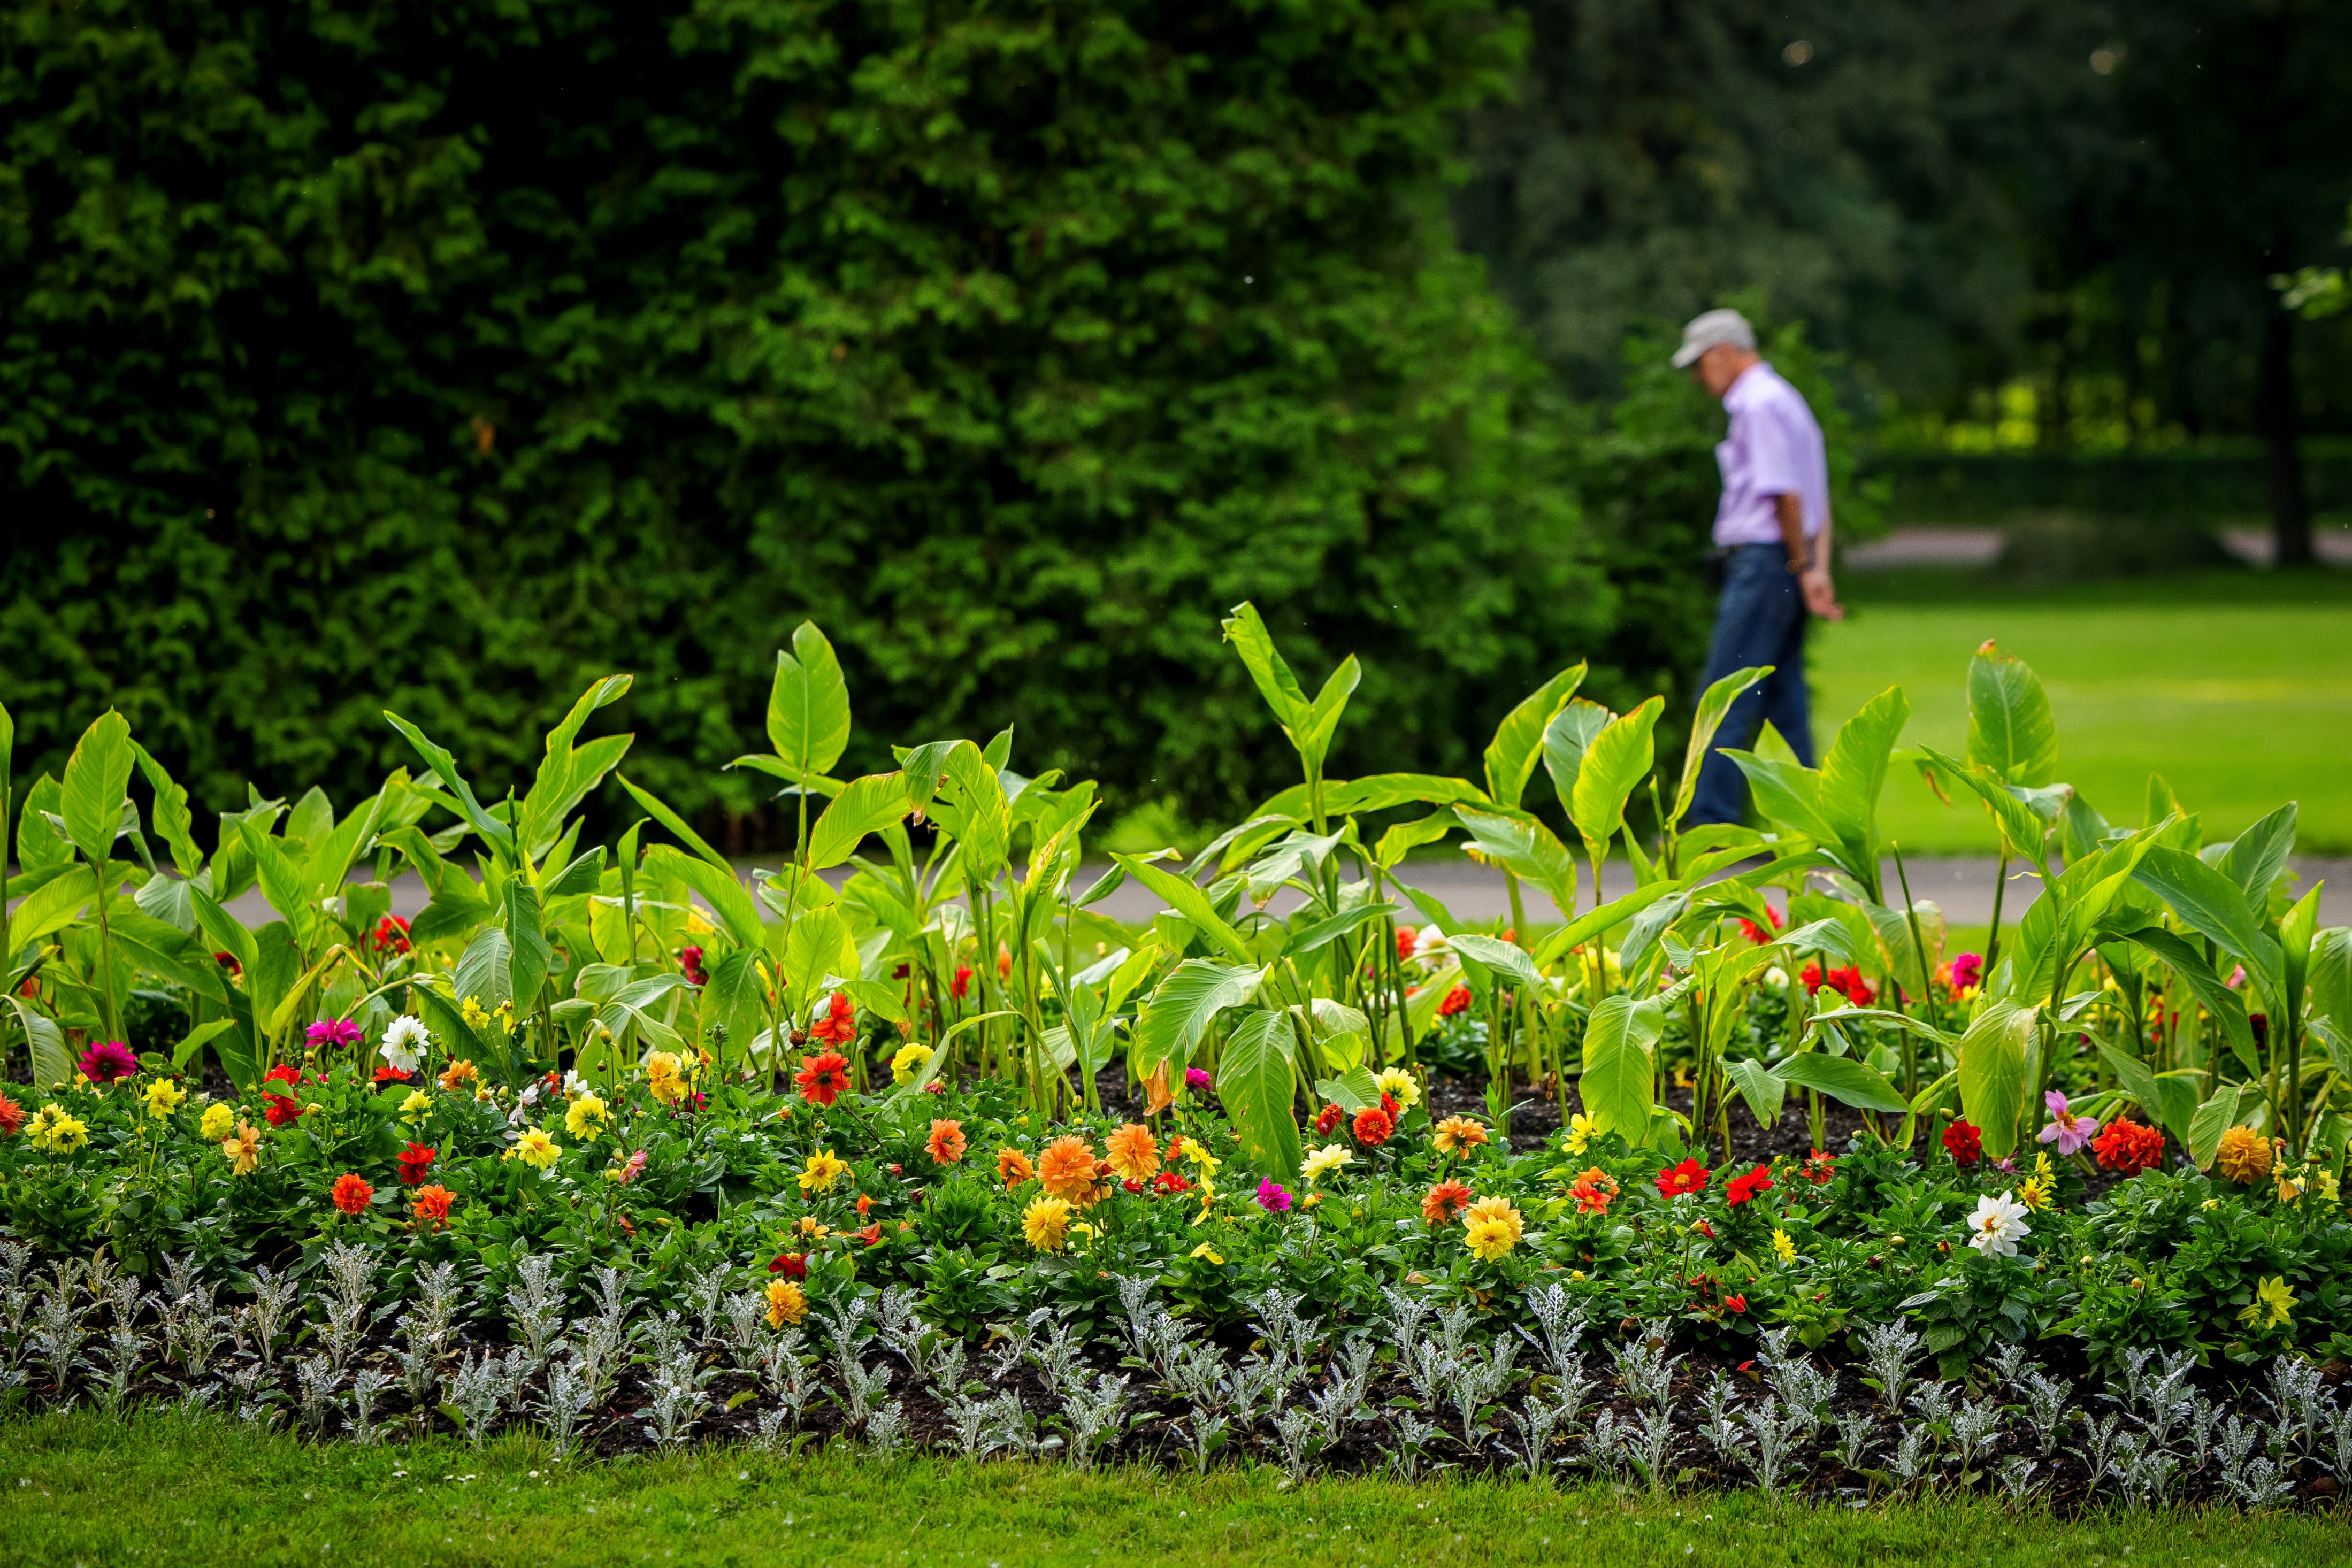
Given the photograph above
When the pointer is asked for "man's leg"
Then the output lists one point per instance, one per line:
(1753, 623)
(1786, 703)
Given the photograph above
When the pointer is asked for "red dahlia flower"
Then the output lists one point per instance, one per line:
(351, 1193)
(1457, 1001)
(1964, 1143)
(104, 1062)
(790, 1265)
(823, 1077)
(838, 1023)
(1687, 1178)
(1818, 1167)
(1374, 1128)
(2128, 1147)
(1740, 1188)
(415, 1161)
(1327, 1118)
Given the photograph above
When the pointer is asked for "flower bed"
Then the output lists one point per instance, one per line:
(607, 1145)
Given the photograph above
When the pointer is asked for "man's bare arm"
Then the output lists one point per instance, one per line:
(1809, 559)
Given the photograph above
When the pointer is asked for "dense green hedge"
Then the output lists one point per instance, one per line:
(442, 357)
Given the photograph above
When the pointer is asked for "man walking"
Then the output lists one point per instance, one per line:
(1772, 536)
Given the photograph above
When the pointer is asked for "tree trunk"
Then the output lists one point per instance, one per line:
(2290, 515)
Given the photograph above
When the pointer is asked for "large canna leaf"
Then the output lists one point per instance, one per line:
(1187, 900)
(1852, 776)
(1179, 1012)
(1843, 1079)
(1614, 765)
(1518, 740)
(2258, 855)
(819, 945)
(444, 768)
(2213, 907)
(2213, 1118)
(97, 775)
(1255, 1083)
(1619, 1080)
(1565, 740)
(2009, 727)
(1713, 704)
(1522, 845)
(736, 909)
(867, 806)
(808, 706)
(1992, 1073)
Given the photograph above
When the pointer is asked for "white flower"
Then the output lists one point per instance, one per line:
(1397, 1085)
(406, 1043)
(1994, 1228)
(1427, 940)
(1329, 1157)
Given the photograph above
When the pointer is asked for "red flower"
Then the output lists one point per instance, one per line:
(391, 935)
(279, 1110)
(2128, 1147)
(790, 1265)
(226, 960)
(1169, 1181)
(871, 1235)
(1405, 934)
(1687, 1178)
(284, 1072)
(823, 1077)
(1374, 1128)
(1735, 1303)
(388, 1073)
(415, 1160)
(430, 1204)
(1457, 1001)
(689, 960)
(1740, 1188)
(1757, 934)
(351, 1193)
(1444, 1201)
(1327, 1118)
(1818, 1167)
(11, 1116)
(960, 987)
(839, 1026)
(1964, 1143)
(1847, 981)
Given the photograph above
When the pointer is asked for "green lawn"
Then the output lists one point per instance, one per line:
(84, 1489)
(2236, 687)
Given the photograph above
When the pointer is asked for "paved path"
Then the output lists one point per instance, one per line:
(1961, 886)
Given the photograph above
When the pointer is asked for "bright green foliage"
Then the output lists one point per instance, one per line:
(443, 357)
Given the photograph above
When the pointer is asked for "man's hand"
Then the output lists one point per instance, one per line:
(1820, 594)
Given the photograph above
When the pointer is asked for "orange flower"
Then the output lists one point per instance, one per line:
(823, 1077)
(1067, 1168)
(864, 1204)
(1012, 1167)
(456, 1072)
(351, 1193)
(946, 1142)
(1134, 1151)
(1459, 1134)
(1374, 1126)
(430, 1205)
(1594, 1191)
(1444, 1201)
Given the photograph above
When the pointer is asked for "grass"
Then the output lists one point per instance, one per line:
(87, 1488)
(2236, 687)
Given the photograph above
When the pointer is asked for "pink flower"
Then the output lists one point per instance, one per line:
(1967, 971)
(1271, 1198)
(1197, 1081)
(332, 1031)
(103, 1063)
(2067, 1130)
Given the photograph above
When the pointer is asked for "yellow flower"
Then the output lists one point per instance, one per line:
(813, 1229)
(824, 1168)
(1783, 1248)
(586, 1118)
(2244, 1155)
(220, 1120)
(416, 1107)
(476, 1014)
(2034, 1192)
(665, 1077)
(505, 1015)
(53, 1130)
(242, 1148)
(1202, 1159)
(1329, 1157)
(165, 1097)
(1492, 1227)
(536, 1148)
(787, 1303)
(907, 1063)
(1206, 1251)
(696, 926)
(2273, 1298)
(1047, 1223)
(1397, 1085)
(1581, 1130)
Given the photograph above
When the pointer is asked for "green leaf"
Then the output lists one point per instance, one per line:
(2214, 906)
(174, 823)
(1614, 765)
(867, 806)
(736, 998)
(2257, 856)
(1520, 738)
(818, 945)
(1992, 1073)
(1765, 1095)
(53, 1065)
(1565, 740)
(1492, 957)
(1406, 837)
(2213, 1118)
(2151, 1091)
(1352, 1091)
(1255, 1083)
(2009, 727)
(1526, 848)
(1300, 940)
(1618, 1086)
(1843, 1079)
(444, 768)
(1246, 630)
(1171, 1022)
(1602, 920)
(532, 954)
(736, 910)
(1187, 900)
(661, 813)
(1713, 704)
(1787, 795)
(485, 971)
(51, 908)
(566, 774)
(973, 807)
(39, 845)
(808, 706)
(1322, 716)
(447, 1018)
(930, 1069)
(197, 1039)
(2022, 829)
(98, 774)
(1855, 773)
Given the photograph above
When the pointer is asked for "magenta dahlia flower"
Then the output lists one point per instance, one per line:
(103, 1063)
(333, 1031)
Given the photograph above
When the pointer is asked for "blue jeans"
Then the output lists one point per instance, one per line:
(1761, 620)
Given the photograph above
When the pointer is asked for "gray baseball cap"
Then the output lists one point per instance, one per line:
(1711, 330)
